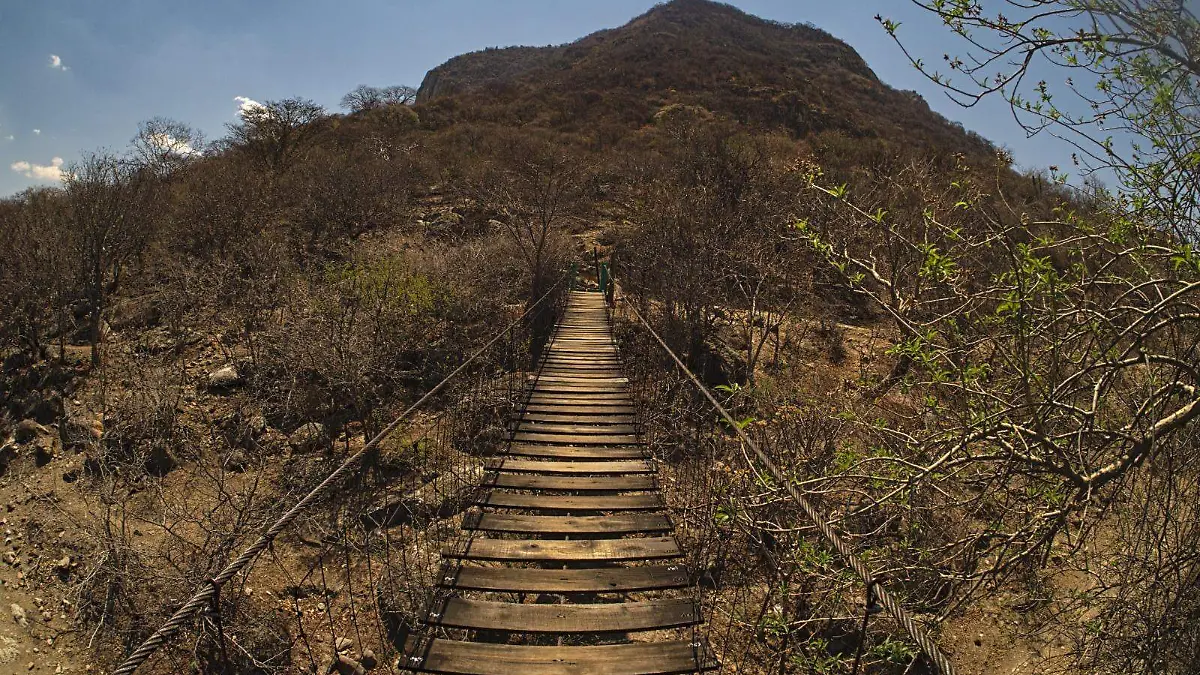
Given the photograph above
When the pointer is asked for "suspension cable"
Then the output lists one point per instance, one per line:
(881, 595)
(204, 596)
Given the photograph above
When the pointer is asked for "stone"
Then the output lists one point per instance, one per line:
(344, 665)
(28, 430)
(236, 461)
(256, 425)
(46, 409)
(18, 615)
(368, 660)
(343, 644)
(224, 378)
(310, 437)
(160, 460)
(78, 430)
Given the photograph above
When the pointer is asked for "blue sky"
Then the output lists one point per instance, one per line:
(80, 74)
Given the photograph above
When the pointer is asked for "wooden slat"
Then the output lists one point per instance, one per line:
(542, 550)
(526, 580)
(581, 618)
(577, 453)
(539, 426)
(586, 409)
(636, 658)
(523, 481)
(568, 418)
(624, 523)
(551, 467)
(576, 439)
(513, 500)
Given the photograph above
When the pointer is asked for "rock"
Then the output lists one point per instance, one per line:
(344, 665)
(43, 452)
(224, 378)
(18, 615)
(368, 659)
(236, 461)
(343, 644)
(310, 437)
(140, 312)
(46, 409)
(256, 425)
(160, 460)
(7, 454)
(27, 430)
(77, 430)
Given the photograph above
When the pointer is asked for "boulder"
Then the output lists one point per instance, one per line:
(160, 460)
(344, 665)
(46, 409)
(28, 430)
(224, 378)
(140, 312)
(236, 461)
(310, 438)
(78, 430)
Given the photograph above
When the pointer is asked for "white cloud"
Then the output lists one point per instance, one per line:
(37, 132)
(245, 104)
(56, 62)
(52, 172)
(170, 144)
(9, 137)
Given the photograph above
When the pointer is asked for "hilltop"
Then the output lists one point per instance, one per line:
(766, 75)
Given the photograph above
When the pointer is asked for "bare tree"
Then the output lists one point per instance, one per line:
(537, 192)
(274, 130)
(105, 201)
(164, 145)
(365, 97)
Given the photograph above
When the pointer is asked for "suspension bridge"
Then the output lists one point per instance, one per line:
(571, 539)
(620, 522)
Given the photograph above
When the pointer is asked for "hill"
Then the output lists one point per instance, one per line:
(768, 75)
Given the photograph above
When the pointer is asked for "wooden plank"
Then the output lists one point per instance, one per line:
(602, 580)
(539, 398)
(524, 481)
(580, 427)
(569, 418)
(580, 503)
(575, 452)
(583, 381)
(615, 617)
(635, 658)
(576, 439)
(603, 392)
(578, 550)
(584, 409)
(568, 468)
(623, 523)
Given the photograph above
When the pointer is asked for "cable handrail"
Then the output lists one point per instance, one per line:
(212, 588)
(875, 589)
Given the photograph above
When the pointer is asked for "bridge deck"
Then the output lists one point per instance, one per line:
(568, 538)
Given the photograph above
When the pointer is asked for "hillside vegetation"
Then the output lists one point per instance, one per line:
(1000, 368)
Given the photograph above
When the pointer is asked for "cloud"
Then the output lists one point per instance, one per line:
(245, 105)
(9, 137)
(170, 144)
(56, 62)
(52, 172)
(37, 132)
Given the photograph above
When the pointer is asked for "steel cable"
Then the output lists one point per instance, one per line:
(881, 595)
(211, 588)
